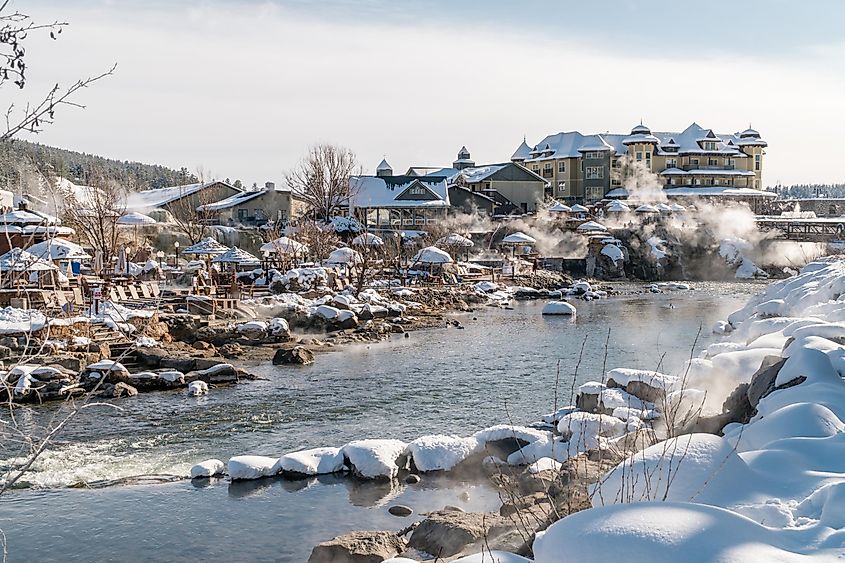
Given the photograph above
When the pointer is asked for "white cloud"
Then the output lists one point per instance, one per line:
(243, 91)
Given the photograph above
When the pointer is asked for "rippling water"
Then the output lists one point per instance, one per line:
(502, 366)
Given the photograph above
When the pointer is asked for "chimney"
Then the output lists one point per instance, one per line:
(269, 186)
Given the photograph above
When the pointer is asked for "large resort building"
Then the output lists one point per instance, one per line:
(586, 168)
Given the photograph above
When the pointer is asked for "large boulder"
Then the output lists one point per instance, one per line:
(445, 533)
(358, 547)
(297, 355)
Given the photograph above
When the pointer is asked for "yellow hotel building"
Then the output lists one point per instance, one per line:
(583, 168)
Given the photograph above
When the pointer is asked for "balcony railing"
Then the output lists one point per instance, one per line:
(689, 167)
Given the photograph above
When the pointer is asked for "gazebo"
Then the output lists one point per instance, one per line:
(558, 207)
(206, 247)
(647, 208)
(591, 226)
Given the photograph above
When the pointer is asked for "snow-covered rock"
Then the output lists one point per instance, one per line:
(316, 461)
(374, 459)
(197, 388)
(208, 468)
(251, 467)
(439, 452)
(558, 308)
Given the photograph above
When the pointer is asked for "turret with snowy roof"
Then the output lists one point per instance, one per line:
(384, 169)
(464, 160)
(522, 152)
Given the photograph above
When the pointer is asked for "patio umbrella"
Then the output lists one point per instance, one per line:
(431, 255)
(559, 207)
(367, 239)
(678, 208)
(284, 245)
(578, 208)
(206, 246)
(590, 226)
(518, 238)
(663, 208)
(344, 255)
(455, 239)
(236, 256)
(617, 206)
(121, 267)
(647, 208)
(98, 262)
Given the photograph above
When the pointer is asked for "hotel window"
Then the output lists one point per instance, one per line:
(648, 159)
(694, 161)
(712, 162)
(671, 163)
(594, 193)
(595, 173)
(757, 162)
(561, 166)
(535, 168)
(595, 155)
(639, 156)
(729, 162)
(547, 168)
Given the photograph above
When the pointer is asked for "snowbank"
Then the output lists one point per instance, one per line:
(440, 453)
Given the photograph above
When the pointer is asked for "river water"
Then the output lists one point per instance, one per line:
(502, 367)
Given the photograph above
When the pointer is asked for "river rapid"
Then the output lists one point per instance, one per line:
(504, 366)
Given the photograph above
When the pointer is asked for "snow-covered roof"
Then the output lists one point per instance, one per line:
(383, 166)
(640, 130)
(58, 249)
(236, 256)
(595, 143)
(21, 217)
(233, 200)
(522, 152)
(567, 144)
(380, 192)
(151, 199)
(19, 260)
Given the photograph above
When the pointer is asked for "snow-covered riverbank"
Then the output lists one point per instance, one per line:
(769, 489)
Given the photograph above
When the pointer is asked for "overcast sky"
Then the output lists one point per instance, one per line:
(242, 88)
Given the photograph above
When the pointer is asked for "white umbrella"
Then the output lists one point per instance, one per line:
(591, 226)
(236, 256)
(367, 239)
(678, 208)
(98, 262)
(431, 255)
(454, 239)
(663, 208)
(518, 238)
(58, 249)
(617, 206)
(284, 245)
(135, 219)
(647, 208)
(578, 208)
(206, 246)
(558, 207)
(344, 255)
(122, 263)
